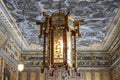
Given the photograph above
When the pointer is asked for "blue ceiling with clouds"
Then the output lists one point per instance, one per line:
(97, 14)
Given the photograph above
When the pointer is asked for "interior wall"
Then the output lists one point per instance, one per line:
(84, 75)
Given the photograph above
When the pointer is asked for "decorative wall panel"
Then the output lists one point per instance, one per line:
(105, 75)
(88, 76)
(24, 76)
(97, 75)
(32, 75)
(93, 60)
(32, 60)
(42, 77)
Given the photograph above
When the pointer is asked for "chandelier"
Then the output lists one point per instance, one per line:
(59, 31)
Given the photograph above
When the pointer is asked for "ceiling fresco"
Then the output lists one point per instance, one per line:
(97, 14)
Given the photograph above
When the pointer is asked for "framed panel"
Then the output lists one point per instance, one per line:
(41, 76)
(106, 75)
(97, 75)
(88, 76)
(33, 60)
(23, 76)
(32, 75)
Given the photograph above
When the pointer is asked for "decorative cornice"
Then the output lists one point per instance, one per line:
(114, 41)
(11, 24)
(115, 63)
(111, 34)
(114, 47)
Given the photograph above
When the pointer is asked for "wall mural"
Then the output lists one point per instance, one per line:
(94, 60)
(32, 60)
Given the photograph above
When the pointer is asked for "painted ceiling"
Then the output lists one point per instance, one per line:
(98, 15)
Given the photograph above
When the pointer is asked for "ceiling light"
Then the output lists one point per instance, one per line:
(20, 67)
(59, 31)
